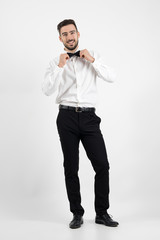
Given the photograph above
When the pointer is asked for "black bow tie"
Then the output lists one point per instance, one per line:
(74, 54)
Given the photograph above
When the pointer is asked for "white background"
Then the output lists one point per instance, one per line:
(127, 35)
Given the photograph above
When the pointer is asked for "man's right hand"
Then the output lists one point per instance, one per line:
(62, 59)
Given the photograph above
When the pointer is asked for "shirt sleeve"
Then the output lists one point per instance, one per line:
(103, 71)
(52, 78)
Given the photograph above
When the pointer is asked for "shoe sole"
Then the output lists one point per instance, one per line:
(103, 223)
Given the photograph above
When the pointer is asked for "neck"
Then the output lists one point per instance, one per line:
(71, 51)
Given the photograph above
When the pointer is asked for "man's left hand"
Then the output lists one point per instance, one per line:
(86, 55)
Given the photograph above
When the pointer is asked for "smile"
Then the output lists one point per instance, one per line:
(71, 42)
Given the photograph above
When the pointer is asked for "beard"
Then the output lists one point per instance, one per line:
(71, 48)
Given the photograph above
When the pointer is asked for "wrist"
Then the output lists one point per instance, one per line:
(60, 65)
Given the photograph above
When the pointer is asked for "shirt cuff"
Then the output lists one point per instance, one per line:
(95, 64)
(57, 69)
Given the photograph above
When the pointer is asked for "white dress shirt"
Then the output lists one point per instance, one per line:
(76, 80)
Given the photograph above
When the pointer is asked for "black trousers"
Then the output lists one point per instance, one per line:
(85, 126)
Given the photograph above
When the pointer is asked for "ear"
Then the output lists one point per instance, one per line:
(78, 34)
(60, 38)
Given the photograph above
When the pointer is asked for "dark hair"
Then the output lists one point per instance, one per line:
(64, 23)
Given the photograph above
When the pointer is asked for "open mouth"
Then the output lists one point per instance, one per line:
(71, 42)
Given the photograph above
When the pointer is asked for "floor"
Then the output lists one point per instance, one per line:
(44, 230)
(37, 219)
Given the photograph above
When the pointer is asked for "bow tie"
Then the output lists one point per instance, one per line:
(74, 54)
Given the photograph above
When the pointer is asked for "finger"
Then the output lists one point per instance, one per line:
(81, 55)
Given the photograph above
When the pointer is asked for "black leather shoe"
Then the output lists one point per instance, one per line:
(106, 220)
(76, 222)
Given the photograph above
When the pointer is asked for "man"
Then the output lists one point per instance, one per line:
(74, 74)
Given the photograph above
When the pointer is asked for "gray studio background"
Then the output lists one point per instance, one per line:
(127, 35)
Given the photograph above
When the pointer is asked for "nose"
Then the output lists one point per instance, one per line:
(70, 38)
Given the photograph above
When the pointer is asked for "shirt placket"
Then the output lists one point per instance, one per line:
(77, 83)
